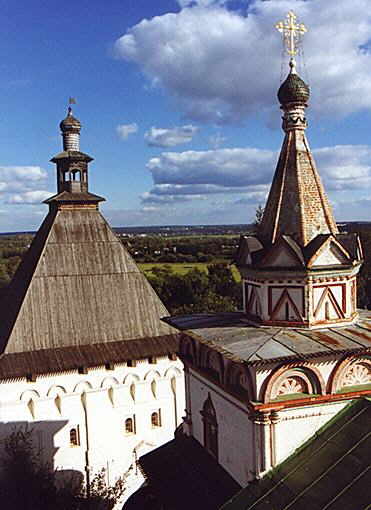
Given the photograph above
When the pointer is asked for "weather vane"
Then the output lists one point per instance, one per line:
(292, 32)
(71, 100)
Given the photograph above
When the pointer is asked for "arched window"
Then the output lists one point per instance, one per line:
(129, 426)
(208, 414)
(74, 437)
(156, 419)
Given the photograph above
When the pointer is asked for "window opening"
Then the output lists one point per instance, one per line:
(74, 437)
(210, 427)
(129, 426)
(156, 419)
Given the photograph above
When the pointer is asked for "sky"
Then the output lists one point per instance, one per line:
(178, 103)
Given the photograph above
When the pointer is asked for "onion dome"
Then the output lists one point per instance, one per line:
(70, 122)
(293, 89)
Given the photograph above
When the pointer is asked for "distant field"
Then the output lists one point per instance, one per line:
(183, 268)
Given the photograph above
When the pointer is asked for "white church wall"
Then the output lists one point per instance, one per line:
(297, 425)
(97, 404)
(235, 430)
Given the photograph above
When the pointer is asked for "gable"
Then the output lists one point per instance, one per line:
(281, 255)
(329, 255)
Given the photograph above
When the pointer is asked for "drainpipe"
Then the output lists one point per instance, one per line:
(87, 462)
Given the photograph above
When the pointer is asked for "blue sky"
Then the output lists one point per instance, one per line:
(178, 104)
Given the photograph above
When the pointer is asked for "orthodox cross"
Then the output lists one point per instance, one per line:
(291, 31)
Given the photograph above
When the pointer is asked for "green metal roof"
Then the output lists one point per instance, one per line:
(330, 471)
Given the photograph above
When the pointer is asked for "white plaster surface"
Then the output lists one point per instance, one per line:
(108, 399)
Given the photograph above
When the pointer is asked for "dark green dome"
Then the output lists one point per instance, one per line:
(293, 90)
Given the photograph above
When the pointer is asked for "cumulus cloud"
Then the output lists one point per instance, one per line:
(220, 167)
(162, 137)
(345, 166)
(27, 175)
(125, 130)
(29, 197)
(232, 69)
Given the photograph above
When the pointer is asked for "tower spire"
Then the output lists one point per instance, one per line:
(296, 184)
(298, 270)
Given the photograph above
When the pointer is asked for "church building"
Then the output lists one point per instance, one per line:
(262, 382)
(85, 360)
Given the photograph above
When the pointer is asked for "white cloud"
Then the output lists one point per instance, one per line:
(345, 167)
(24, 174)
(202, 3)
(152, 198)
(231, 69)
(216, 140)
(125, 130)
(29, 197)
(221, 167)
(162, 137)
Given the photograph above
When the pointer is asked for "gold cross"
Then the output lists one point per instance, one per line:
(291, 32)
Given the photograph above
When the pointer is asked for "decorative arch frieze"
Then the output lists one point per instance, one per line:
(188, 349)
(131, 379)
(172, 372)
(238, 379)
(55, 391)
(82, 387)
(29, 397)
(351, 371)
(108, 382)
(291, 380)
(214, 365)
(152, 374)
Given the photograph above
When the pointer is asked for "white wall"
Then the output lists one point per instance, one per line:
(235, 439)
(298, 425)
(109, 446)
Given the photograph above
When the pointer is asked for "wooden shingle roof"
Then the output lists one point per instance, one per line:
(77, 286)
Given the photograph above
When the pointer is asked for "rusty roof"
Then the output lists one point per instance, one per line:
(242, 341)
(22, 364)
(77, 285)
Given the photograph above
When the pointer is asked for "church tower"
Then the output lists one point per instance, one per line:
(85, 357)
(298, 270)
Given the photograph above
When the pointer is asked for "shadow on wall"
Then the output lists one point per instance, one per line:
(27, 476)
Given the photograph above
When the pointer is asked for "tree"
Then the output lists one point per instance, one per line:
(258, 216)
(27, 483)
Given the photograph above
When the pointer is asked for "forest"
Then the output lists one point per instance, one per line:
(191, 273)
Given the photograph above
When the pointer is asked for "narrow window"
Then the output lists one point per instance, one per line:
(156, 419)
(74, 437)
(208, 414)
(129, 426)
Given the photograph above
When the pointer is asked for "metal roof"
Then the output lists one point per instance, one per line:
(330, 471)
(237, 337)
